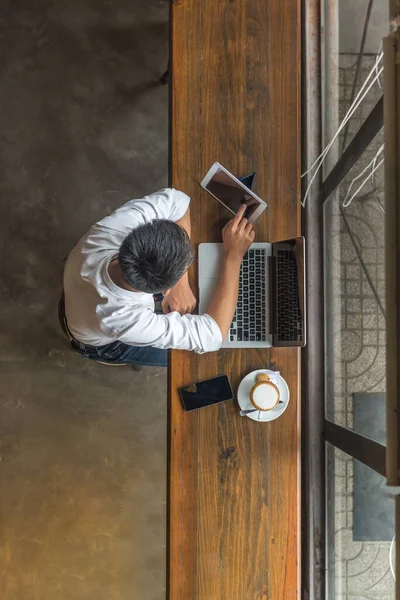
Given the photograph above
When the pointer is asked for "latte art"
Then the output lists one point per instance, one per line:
(264, 395)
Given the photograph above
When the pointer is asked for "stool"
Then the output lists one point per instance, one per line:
(63, 323)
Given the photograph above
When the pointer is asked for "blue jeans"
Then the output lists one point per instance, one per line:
(118, 352)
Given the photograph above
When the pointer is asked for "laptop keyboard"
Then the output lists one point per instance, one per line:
(249, 322)
(289, 324)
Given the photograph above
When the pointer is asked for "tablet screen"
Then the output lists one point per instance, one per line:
(230, 193)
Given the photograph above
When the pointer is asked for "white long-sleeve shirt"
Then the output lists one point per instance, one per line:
(99, 312)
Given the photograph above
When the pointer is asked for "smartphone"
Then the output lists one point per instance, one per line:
(206, 393)
(232, 193)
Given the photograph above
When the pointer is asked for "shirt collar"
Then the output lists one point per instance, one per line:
(118, 291)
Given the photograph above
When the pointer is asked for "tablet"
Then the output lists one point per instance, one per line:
(231, 193)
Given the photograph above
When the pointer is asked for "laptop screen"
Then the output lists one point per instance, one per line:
(289, 290)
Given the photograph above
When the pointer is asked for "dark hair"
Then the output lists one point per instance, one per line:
(154, 256)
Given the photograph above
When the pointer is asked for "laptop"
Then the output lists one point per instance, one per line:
(271, 304)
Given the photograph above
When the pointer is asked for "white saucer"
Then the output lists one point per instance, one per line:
(243, 396)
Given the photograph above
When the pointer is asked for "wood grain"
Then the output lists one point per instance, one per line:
(234, 484)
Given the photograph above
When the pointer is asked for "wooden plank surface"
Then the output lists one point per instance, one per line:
(234, 497)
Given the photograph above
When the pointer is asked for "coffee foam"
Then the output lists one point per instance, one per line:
(265, 396)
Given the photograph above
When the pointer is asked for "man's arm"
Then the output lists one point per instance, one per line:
(185, 222)
(165, 204)
(237, 236)
(180, 298)
(201, 333)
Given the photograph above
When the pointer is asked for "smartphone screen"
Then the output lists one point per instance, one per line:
(230, 193)
(206, 393)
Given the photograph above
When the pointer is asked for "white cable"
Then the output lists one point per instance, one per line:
(369, 165)
(380, 150)
(381, 208)
(321, 159)
(318, 163)
(349, 112)
(377, 62)
(363, 183)
(345, 205)
(372, 164)
(391, 557)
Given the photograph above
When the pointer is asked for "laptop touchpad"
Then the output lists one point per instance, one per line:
(211, 258)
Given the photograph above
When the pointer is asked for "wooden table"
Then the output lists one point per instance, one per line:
(234, 501)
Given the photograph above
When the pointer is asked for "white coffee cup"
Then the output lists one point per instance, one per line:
(264, 395)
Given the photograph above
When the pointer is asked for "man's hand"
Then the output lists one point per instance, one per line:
(238, 235)
(180, 298)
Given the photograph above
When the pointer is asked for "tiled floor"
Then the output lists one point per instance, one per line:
(356, 353)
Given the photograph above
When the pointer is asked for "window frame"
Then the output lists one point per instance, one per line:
(317, 429)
